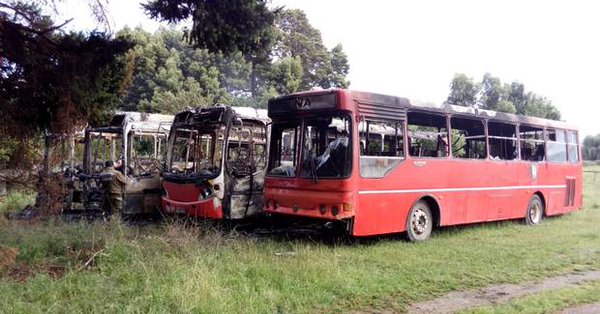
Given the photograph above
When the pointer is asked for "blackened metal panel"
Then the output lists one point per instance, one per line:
(380, 107)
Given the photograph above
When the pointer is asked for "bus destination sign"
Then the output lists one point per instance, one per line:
(302, 103)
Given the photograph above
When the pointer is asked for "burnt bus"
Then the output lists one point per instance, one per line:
(216, 161)
(136, 142)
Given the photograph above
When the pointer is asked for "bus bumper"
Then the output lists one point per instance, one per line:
(201, 209)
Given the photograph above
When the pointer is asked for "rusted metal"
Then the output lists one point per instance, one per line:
(122, 141)
(221, 175)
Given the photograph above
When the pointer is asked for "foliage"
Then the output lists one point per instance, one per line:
(492, 94)
(463, 91)
(298, 39)
(591, 147)
(52, 82)
(222, 26)
(169, 75)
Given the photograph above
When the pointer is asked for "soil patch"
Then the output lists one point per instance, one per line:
(584, 309)
(497, 294)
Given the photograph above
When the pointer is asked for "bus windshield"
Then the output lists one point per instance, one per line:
(325, 147)
(193, 150)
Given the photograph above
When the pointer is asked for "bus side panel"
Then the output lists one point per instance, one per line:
(386, 209)
(378, 214)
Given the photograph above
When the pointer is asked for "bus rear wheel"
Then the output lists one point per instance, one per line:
(419, 222)
(535, 211)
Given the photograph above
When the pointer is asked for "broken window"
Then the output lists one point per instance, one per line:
(557, 145)
(283, 153)
(246, 149)
(502, 140)
(468, 138)
(327, 149)
(103, 147)
(381, 147)
(193, 151)
(573, 147)
(427, 135)
(532, 143)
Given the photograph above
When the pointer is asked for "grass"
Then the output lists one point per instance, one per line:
(16, 200)
(548, 302)
(175, 268)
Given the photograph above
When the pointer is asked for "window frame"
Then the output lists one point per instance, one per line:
(516, 139)
(549, 142)
(446, 125)
(576, 145)
(485, 137)
(401, 159)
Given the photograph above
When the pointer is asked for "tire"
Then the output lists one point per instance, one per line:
(535, 211)
(419, 223)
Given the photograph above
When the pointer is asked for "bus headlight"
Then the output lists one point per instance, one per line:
(323, 209)
(335, 210)
(205, 193)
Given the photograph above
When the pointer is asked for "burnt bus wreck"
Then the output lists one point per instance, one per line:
(216, 163)
(136, 143)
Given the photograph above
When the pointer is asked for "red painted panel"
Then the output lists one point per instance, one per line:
(466, 191)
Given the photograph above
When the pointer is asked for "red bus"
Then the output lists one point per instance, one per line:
(216, 163)
(382, 164)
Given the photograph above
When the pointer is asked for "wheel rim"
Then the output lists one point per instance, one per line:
(535, 212)
(419, 221)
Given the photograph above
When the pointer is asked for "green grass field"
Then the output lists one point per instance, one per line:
(58, 267)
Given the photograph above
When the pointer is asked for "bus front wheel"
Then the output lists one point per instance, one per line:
(419, 222)
(535, 211)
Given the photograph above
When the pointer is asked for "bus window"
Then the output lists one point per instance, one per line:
(382, 147)
(283, 157)
(327, 149)
(503, 141)
(532, 143)
(557, 145)
(427, 135)
(468, 138)
(573, 147)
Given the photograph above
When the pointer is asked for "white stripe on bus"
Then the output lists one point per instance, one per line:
(495, 188)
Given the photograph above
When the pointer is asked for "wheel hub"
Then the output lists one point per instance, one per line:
(419, 221)
(534, 213)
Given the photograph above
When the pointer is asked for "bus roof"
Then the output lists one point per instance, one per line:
(219, 114)
(379, 102)
(139, 121)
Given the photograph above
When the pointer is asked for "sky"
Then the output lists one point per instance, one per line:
(413, 48)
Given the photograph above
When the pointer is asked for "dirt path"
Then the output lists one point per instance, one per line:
(491, 295)
(584, 309)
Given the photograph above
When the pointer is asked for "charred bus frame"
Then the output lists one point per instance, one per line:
(216, 163)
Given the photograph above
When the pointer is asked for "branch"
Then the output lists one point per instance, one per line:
(90, 260)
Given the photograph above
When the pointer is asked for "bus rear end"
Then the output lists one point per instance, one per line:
(310, 170)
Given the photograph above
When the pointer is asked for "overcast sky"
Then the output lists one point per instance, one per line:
(413, 48)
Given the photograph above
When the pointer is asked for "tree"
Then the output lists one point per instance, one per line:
(220, 26)
(492, 94)
(298, 39)
(339, 68)
(463, 91)
(591, 147)
(169, 75)
(51, 81)
(286, 75)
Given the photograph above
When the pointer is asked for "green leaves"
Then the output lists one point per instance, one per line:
(221, 26)
(591, 147)
(492, 94)
(296, 38)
